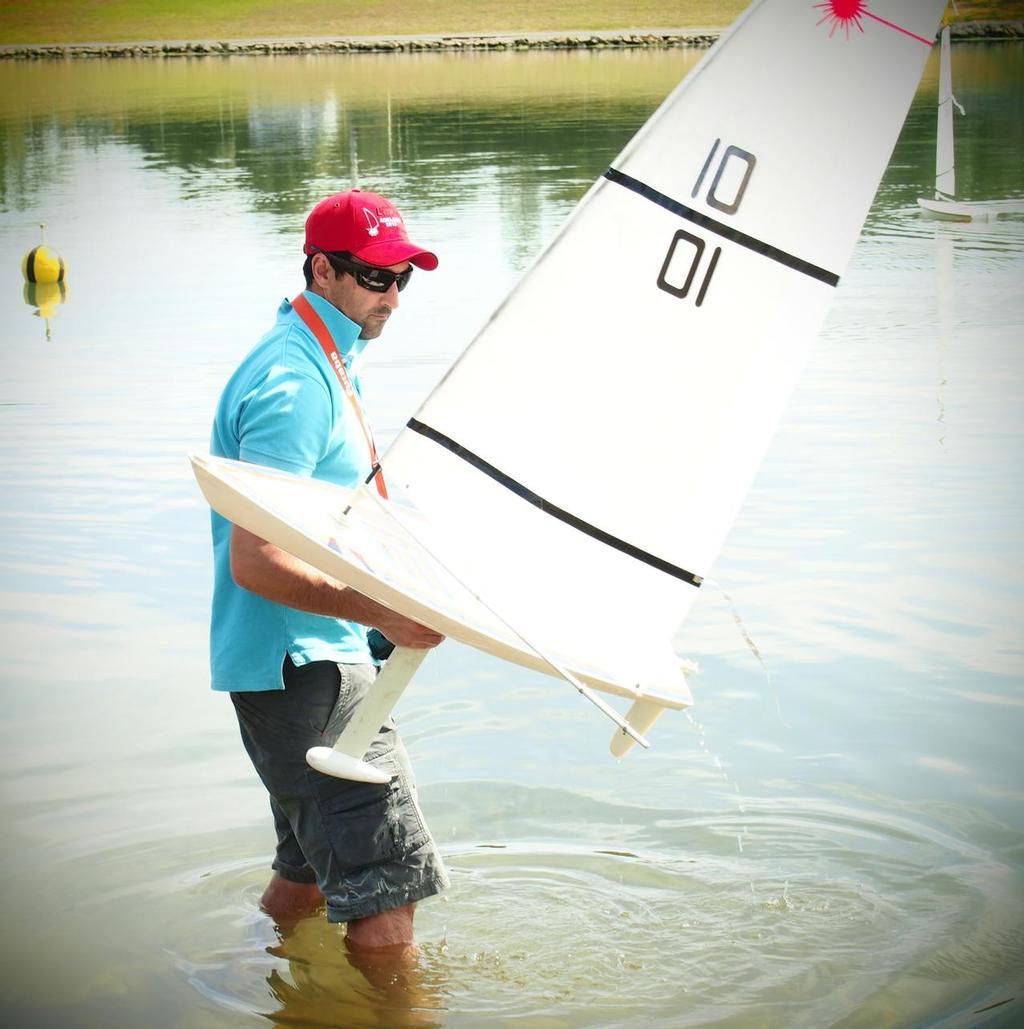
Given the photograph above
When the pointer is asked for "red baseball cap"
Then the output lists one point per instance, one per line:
(366, 225)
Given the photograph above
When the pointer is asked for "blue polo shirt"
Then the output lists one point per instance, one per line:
(284, 407)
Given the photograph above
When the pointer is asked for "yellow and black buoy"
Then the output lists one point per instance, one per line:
(41, 264)
(45, 297)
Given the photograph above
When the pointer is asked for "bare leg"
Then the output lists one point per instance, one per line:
(286, 902)
(382, 948)
(388, 929)
(384, 980)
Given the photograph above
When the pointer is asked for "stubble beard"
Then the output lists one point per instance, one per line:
(374, 324)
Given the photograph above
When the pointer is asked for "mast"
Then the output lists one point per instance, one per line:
(945, 173)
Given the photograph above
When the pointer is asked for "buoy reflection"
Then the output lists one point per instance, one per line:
(45, 297)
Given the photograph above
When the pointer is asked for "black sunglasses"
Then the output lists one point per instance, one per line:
(377, 280)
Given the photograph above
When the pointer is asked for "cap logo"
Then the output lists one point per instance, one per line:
(373, 223)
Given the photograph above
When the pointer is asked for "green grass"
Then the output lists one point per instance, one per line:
(41, 21)
(81, 21)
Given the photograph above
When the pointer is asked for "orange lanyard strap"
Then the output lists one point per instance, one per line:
(316, 325)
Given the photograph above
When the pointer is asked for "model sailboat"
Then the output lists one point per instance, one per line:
(944, 205)
(568, 485)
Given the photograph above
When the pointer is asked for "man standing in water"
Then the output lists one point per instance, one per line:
(289, 643)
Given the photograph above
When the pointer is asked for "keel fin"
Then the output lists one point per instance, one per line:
(345, 759)
(344, 766)
(641, 716)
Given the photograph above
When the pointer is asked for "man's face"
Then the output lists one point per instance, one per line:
(369, 310)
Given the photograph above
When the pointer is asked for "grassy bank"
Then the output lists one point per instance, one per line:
(81, 21)
(57, 21)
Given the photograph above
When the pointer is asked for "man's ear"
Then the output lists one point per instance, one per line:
(322, 269)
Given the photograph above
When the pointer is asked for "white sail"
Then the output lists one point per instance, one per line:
(945, 170)
(583, 461)
(567, 486)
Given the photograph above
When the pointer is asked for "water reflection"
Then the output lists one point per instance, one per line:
(674, 907)
(323, 984)
(285, 130)
(46, 298)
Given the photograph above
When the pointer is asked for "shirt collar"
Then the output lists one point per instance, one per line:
(343, 330)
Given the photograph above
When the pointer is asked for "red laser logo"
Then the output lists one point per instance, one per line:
(844, 13)
(841, 13)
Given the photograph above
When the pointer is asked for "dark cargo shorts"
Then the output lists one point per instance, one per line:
(365, 845)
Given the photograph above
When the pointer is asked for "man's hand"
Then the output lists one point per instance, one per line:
(402, 631)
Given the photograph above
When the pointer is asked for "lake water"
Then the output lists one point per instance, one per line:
(833, 836)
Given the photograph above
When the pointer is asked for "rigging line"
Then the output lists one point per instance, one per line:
(900, 28)
(584, 691)
(734, 235)
(548, 508)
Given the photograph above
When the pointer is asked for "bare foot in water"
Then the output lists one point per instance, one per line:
(288, 902)
(382, 948)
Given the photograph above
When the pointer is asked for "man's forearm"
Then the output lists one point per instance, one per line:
(272, 573)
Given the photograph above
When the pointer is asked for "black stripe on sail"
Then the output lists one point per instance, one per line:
(30, 265)
(556, 512)
(756, 245)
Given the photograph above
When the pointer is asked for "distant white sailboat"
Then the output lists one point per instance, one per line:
(566, 488)
(944, 205)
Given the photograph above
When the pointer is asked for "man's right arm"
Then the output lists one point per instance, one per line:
(272, 573)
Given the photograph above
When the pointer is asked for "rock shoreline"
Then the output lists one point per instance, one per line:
(393, 44)
(974, 31)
